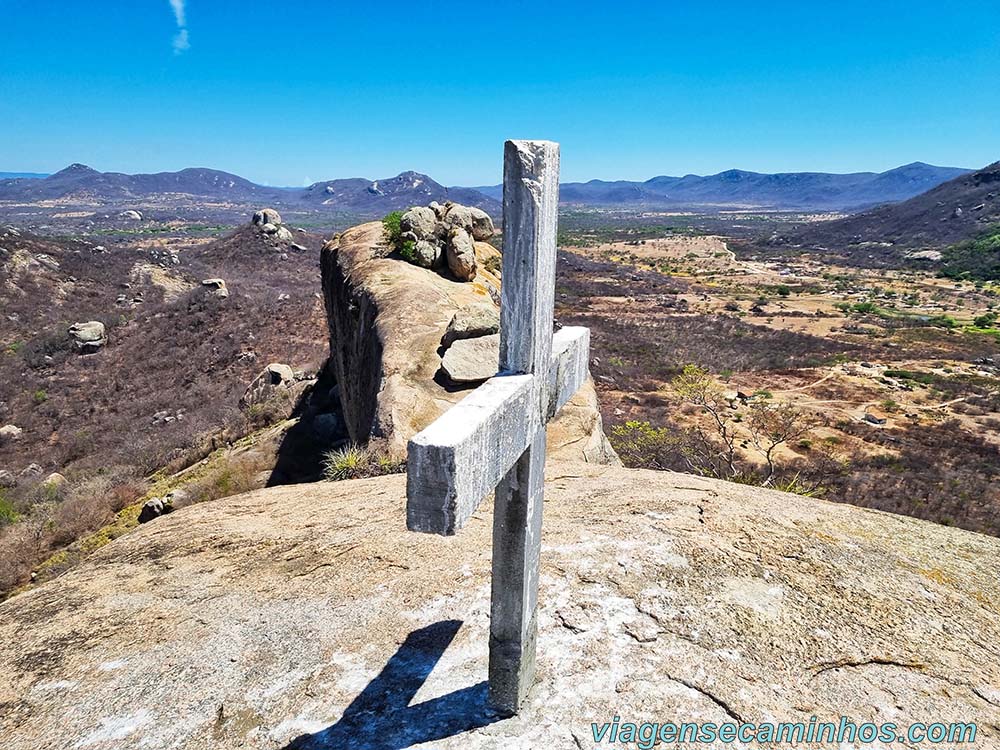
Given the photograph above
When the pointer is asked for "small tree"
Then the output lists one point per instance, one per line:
(771, 426)
(718, 456)
(716, 451)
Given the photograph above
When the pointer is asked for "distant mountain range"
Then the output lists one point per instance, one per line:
(16, 175)
(789, 190)
(951, 212)
(809, 191)
(80, 182)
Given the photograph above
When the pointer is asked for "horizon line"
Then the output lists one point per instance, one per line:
(30, 174)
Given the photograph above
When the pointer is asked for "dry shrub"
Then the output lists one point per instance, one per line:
(52, 516)
(22, 546)
(231, 477)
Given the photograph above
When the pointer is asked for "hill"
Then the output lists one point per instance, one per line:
(170, 345)
(808, 191)
(80, 183)
(791, 190)
(307, 617)
(164, 389)
(957, 210)
(393, 194)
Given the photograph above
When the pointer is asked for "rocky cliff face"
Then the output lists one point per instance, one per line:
(388, 319)
(308, 617)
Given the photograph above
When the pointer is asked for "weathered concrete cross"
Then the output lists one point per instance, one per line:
(495, 437)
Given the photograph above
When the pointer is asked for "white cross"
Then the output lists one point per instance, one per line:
(495, 437)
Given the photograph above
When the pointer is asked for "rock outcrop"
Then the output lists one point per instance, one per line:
(446, 236)
(273, 379)
(390, 323)
(88, 337)
(308, 617)
(269, 222)
(472, 360)
(10, 433)
(266, 216)
(216, 287)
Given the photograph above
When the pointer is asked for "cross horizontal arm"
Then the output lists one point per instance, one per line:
(459, 459)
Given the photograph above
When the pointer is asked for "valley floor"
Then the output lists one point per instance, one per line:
(890, 379)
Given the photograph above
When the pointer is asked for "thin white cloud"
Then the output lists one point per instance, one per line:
(178, 6)
(181, 42)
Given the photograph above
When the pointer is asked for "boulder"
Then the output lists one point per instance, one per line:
(217, 287)
(269, 228)
(421, 222)
(387, 322)
(88, 337)
(427, 254)
(283, 235)
(307, 616)
(472, 360)
(54, 481)
(7, 479)
(457, 216)
(130, 215)
(177, 497)
(436, 226)
(266, 216)
(482, 225)
(154, 508)
(10, 433)
(31, 471)
(461, 254)
(470, 322)
(473, 220)
(272, 379)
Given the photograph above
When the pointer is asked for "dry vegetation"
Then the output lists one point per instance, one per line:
(163, 394)
(887, 382)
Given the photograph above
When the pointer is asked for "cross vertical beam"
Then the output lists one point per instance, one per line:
(530, 214)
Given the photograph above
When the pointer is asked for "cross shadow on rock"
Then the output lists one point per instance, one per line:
(381, 717)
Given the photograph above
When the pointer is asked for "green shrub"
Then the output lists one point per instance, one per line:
(986, 320)
(357, 462)
(796, 486)
(8, 513)
(391, 225)
(40, 396)
(943, 321)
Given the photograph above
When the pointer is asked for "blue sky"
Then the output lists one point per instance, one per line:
(288, 93)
